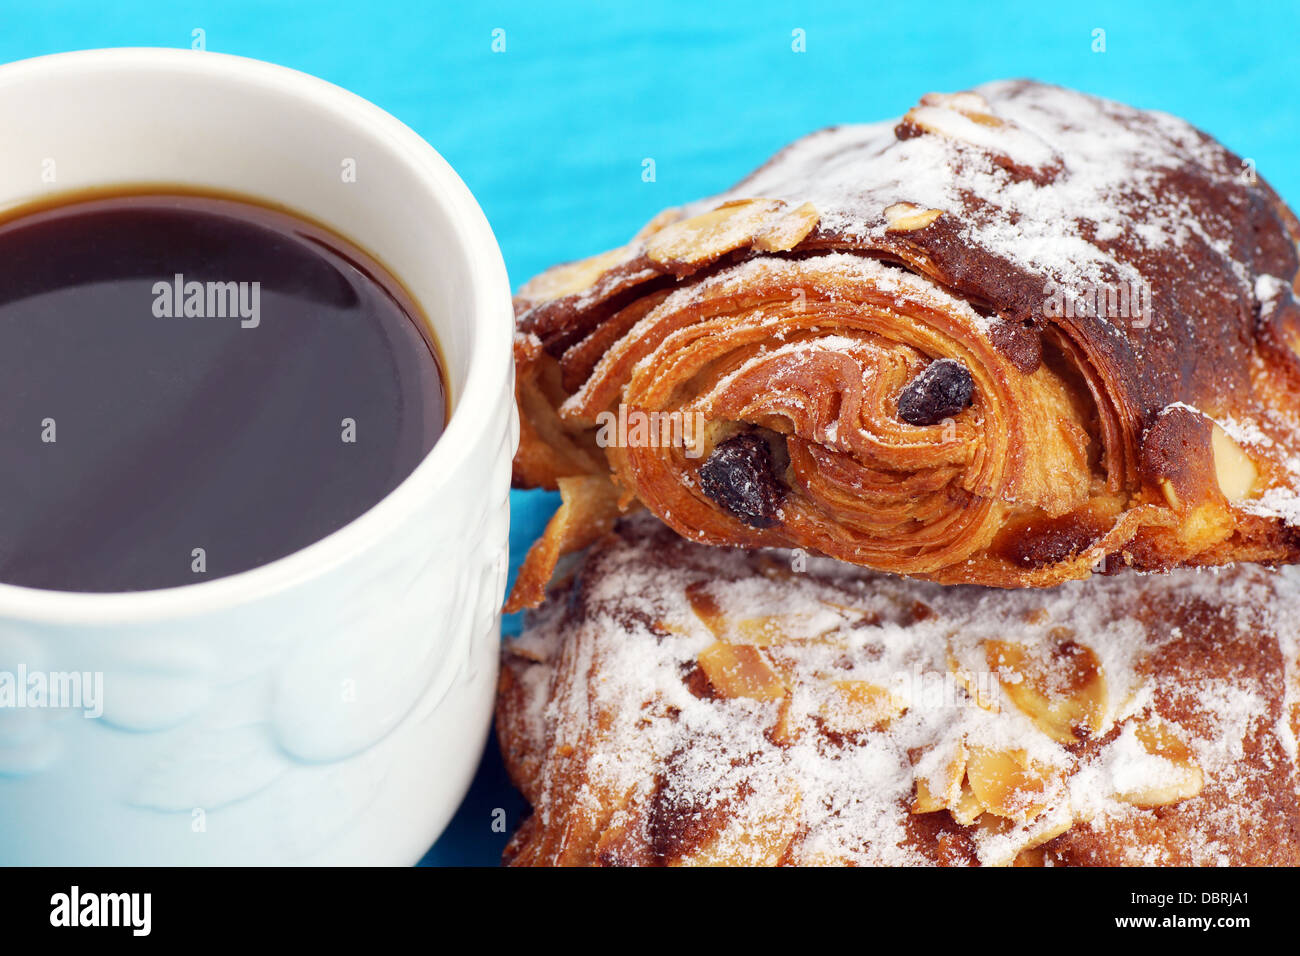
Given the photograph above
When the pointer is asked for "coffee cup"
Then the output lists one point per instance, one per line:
(329, 707)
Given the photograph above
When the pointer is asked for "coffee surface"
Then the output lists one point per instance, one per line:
(194, 386)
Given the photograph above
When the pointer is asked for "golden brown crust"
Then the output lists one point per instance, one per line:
(547, 450)
(588, 509)
(1123, 412)
(676, 704)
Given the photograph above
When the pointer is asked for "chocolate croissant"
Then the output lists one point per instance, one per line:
(680, 704)
(1018, 336)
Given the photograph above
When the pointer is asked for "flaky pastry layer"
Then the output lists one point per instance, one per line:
(1019, 335)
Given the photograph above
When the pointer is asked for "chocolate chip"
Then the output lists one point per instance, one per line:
(738, 477)
(941, 391)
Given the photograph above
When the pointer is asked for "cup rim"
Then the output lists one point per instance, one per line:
(489, 308)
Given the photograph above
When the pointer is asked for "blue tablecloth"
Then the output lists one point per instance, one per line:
(551, 133)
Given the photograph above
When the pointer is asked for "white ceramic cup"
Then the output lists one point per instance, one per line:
(330, 707)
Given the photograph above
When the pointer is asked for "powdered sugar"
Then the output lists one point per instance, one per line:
(1276, 503)
(1100, 168)
(850, 797)
(1269, 289)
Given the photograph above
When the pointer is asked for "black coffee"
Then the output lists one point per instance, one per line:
(193, 386)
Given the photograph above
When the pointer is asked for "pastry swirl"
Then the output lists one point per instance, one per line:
(1020, 335)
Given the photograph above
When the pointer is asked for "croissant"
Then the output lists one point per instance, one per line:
(1018, 336)
(685, 705)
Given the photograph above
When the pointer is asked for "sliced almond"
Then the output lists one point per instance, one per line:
(670, 627)
(908, 217)
(761, 630)
(926, 801)
(1002, 842)
(983, 696)
(856, 706)
(1057, 683)
(943, 789)
(1233, 468)
(708, 236)
(970, 104)
(571, 277)
(786, 731)
(740, 670)
(788, 231)
(1008, 783)
(968, 808)
(932, 112)
(1179, 780)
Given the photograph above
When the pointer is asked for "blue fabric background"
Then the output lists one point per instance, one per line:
(551, 134)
